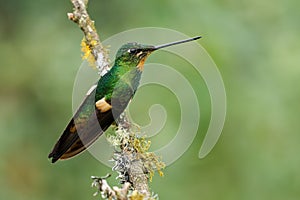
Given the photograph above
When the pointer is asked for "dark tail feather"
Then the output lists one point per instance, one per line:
(66, 140)
(77, 138)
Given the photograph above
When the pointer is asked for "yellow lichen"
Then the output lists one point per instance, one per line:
(160, 173)
(94, 43)
(152, 162)
(141, 144)
(151, 174)
(135, 195)
(87, 52)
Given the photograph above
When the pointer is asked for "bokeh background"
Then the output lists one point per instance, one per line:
(256, 46)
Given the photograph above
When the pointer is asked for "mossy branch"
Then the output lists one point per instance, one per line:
(134, 164)
(92, 48)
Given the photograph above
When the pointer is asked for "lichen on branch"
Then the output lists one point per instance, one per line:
(134, 164)
(93, 50)
(132, 157)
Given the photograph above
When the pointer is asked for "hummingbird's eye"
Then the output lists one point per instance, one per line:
(132, 51)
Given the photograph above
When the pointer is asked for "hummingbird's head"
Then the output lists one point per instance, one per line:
(134, 54)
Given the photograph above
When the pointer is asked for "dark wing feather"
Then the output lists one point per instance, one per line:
(84, 128)
(89, 123)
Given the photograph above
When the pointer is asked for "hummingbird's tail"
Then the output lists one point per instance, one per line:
(68, 139)
(77, 137)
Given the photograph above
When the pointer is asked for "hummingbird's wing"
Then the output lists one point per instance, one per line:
(92, 119)
(84, 128)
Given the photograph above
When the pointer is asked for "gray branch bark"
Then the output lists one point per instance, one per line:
(137, 175)
(81, 17)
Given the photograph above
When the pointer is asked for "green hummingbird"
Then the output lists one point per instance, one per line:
(106, 100)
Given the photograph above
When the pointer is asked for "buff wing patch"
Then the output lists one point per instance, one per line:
(102, 105)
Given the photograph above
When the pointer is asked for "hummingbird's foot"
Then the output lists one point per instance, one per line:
(102, 105)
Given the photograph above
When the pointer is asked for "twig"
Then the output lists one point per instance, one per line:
(133, 163)
(81, 17)
(137, 174)
(108, 192)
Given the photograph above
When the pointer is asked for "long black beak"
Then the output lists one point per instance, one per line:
(175, 43)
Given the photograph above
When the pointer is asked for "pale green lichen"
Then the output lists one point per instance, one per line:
(138, 147)
(134, 163)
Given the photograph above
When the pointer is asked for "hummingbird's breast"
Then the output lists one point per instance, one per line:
(127, 85)
(119, 85)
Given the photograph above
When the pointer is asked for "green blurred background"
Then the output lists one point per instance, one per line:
(256, 46)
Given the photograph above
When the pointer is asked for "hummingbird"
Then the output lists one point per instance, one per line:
(106, 100)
